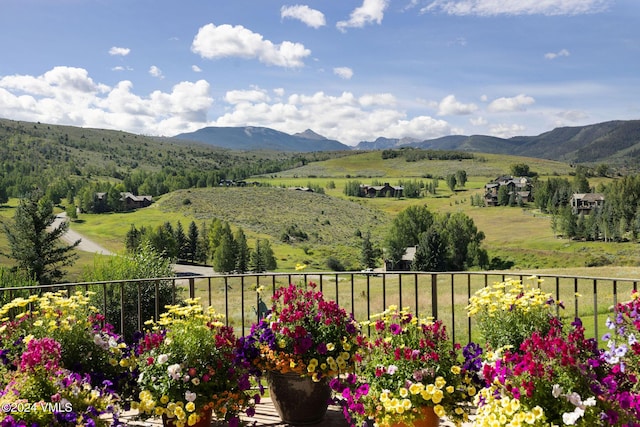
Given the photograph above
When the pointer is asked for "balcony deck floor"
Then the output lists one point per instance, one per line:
(266, 416)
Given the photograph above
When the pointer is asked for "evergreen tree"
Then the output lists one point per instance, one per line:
(162, 240)
(256, 262)
(182, 249)
(461, 177)
(214, 236)
(369, 255)
(4, 197)
(192, 242)
(269, 257)
(35, 242)
(503, 196)
(133, 238)
(431, 253)
(242, 251)
(451, 182)
(202, 251)
(224, 259)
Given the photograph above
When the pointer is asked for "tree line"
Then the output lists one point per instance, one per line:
(444, 242)
(617, 220)
(227, 251)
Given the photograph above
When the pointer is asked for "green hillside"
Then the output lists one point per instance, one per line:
(370, 164)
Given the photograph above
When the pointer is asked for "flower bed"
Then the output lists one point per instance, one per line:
(61, 363)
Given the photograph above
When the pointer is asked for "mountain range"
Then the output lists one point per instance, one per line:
(616, 142)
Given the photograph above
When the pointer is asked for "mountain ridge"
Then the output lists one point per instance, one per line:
(616, 141)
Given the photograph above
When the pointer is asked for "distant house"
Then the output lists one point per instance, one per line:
(232, 183)
(584, 203)
(520, 186)
(405, 261)
(131, 201)
(384, 190)
(307, 189)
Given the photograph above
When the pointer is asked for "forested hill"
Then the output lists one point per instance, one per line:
(614, 142)
(42, 155)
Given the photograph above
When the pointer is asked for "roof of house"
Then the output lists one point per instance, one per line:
(589, 197)
(409, 253)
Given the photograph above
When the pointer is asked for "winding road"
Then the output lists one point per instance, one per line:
(87, 245)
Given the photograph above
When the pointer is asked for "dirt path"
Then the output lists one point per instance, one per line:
(85, 245)
(88, 245)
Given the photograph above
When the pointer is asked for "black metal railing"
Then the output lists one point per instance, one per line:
(243, 298)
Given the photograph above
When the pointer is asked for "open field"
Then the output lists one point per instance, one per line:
(519, 237)
(444, 295)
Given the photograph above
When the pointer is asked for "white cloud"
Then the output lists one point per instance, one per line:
(478, 121)
(574, 116)
(196, 69)
(66, 95)
(311, 17)
(119, 51)
(554, 55)
(451, 106)
(517, 7)
(507, 131)
(224, 41)
(516, 103)
(156, 72)
(370, 100)
(371, 11)
(343, 72)
(346, 118)
(240, 96)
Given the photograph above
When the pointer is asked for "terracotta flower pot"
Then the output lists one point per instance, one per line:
(298, 400)
(204, 421)
(427, 418)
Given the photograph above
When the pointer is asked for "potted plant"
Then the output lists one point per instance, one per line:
(303, 340)
(188, 369)
(60, 362)
(410, 373)
(557, 378)
(508, 312)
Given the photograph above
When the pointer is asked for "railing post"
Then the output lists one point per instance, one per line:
(434, 295)
(122, 309)
(595, 307)
(192, 287)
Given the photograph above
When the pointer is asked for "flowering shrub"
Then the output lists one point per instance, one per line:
(556, 378)
(88, 345)
(41, 393)
(408, 363)
(623, 354)
(187, 364)
(507, 313)
(303, 333)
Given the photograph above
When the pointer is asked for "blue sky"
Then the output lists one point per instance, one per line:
(349, 70)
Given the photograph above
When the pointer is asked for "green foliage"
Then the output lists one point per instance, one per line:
(431, 253)
(451, 238)
(224, 258)
(35, 243)
(461, 177)
(353, 189)
(507, 313)
(262, 258)
(452, 182)
(522, 169)
(10, 278)
(143, 263)
(369, 254)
